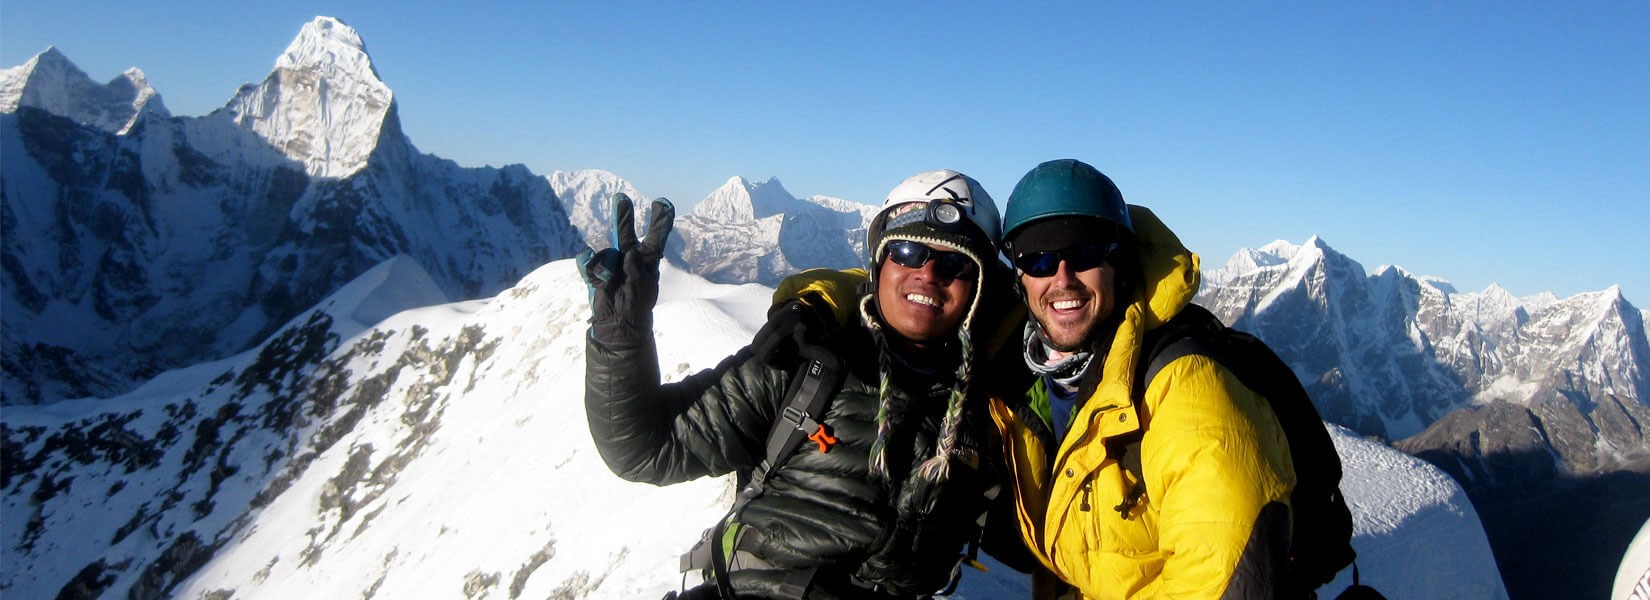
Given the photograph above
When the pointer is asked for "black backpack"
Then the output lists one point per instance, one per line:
(1321, 543)
(818, 377)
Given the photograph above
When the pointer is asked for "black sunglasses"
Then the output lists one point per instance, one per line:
(913, 255)
(1081, 257)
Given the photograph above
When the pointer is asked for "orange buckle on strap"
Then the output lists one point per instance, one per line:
(823, 437)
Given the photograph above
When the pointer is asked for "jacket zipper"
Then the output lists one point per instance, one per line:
(1088, 479)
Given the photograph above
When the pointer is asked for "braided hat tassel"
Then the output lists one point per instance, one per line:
(885, 396)
(937, 469)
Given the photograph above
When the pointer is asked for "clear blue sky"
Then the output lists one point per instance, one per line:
(1480, 142)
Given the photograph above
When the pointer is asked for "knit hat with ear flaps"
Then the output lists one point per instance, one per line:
(943, 209)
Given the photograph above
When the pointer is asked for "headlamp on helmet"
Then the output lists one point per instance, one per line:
(941, 214)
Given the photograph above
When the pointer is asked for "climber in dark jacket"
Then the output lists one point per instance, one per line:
(888, 501)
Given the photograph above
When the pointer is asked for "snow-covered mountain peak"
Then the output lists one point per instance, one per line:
(1392, 352)
(1495, 289)
(51, 82)
(1614, 292)
(1314, 251)
(323, 104)
(592, 179)
(1282, 249)
(1317, 243)
(1397, 273)
(12, 79)
(49, 63)
(770, 191)
(1317, 253)
(757, 231)
(741, 200)
(1535, 302)
(845, 206)
(327, 43)
(1249, 260)
(1596, 305)
(731, 202)
(1438, 283)
(1609, 303)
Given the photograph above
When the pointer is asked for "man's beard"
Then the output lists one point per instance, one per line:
(1069, 338)
(1087, 336)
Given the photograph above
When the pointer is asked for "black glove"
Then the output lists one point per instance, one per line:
(791, 325)
(624, 279)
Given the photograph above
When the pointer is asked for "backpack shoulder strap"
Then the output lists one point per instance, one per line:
(1181, 336)
(797, 419)
(1185, 334)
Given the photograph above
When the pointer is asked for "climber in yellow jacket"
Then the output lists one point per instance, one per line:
(1097, 276)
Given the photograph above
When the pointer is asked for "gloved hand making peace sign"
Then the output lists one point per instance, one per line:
(624, 279)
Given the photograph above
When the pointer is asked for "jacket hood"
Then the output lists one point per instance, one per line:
(1171, 272)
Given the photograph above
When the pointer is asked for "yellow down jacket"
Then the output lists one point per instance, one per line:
(1213, 455)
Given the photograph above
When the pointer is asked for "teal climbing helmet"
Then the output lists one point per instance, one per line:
(1064, 188)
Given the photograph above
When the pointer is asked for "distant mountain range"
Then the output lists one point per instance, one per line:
(136, 243)
(1390, 354)
(743, 232)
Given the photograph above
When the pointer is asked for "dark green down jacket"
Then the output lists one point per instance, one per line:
(820, 510)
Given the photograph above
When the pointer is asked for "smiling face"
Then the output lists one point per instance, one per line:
(920, 304)
(1070, 305)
